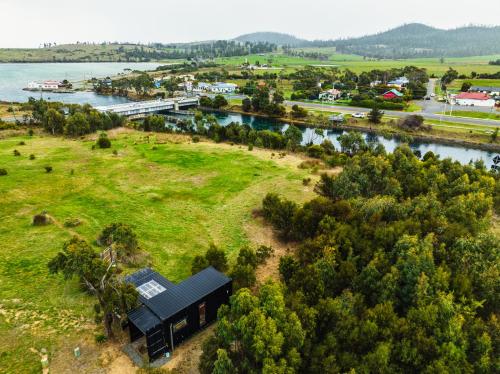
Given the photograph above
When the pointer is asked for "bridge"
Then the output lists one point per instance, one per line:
(143, 108)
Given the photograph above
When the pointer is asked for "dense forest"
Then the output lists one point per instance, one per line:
(407, 41)
(417, 40)
(395, 272)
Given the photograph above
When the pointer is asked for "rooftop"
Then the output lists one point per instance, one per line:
(472, 96)
(172, 298)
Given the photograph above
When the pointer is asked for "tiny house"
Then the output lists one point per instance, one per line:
(169, 313)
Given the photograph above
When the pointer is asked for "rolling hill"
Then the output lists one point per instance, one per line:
(418, 40)
(406, 41)
(274, 38)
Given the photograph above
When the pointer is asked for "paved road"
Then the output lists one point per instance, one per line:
(392, 113)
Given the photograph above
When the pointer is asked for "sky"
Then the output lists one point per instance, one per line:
(28, 23)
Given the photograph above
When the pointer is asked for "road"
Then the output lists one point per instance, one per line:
(396, 114)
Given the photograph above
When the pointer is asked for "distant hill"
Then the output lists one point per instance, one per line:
(417, 40)
(274, 38)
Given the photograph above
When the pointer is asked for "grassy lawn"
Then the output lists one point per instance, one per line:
(471, 114)
(457, 84)
(179, 197)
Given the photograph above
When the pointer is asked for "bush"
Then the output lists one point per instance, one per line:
(100, 338)
(72, 222)
(263, 253)
(306, 181)
(16, 152)
(32, 156)
(48, 169)
(30, 132)
(103, 141)
(412, 122)
(115, 152)
(21, 143)
(196, 139)
(250, 147)
(315, 151)
(3, 171)
(41, 219)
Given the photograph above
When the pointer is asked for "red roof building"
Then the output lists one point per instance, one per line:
(474, 99)
(472, 96)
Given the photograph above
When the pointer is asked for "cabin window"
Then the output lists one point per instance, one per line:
(203, 311)
(180, 325)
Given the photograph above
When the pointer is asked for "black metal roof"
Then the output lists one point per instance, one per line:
(143, 318)
(176, 297)
(145, 275)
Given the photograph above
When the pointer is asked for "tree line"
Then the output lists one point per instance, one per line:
(71, 119)
(396, 271)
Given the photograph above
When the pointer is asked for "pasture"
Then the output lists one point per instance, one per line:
(178, 196)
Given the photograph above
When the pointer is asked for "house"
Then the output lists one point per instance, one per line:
(44, 86)
(392, 94)
(474, 99)
(330, 95)
(399, 82)
(203, 87)
(494, 91)
(169, 313)
(221, 87)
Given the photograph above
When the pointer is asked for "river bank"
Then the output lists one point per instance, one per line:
(388, 127)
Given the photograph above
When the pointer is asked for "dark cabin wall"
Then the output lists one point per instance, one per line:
(212, 301)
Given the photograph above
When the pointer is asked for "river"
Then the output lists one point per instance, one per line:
(14, 77)
(459, 153)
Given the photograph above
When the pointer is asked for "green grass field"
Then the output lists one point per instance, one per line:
(179, 198)
(457, 84)
(358, 64)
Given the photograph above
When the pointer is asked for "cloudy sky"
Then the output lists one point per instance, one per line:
(27, 23)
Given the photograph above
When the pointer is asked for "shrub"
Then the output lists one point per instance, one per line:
(100, 338)
(3, 171)
(306, 181)
(32, 156)
(21, 143)
(315, 151)
(41, 219)
(250, 147)
(72, 222)
(48, 169)
(412, 122)
(115, 152)
(103, 141)
(30, 132)
(263, 253)
(196, 139)
(16, 152)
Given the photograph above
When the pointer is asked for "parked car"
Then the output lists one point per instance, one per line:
(359, 115)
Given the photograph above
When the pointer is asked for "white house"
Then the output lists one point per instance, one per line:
(47, 85)
(221, 87)
(399, 82)
(474, 99)
(202, 87)
(330, 95)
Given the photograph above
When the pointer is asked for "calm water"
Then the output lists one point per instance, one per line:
(14, 77)
(458, 153)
